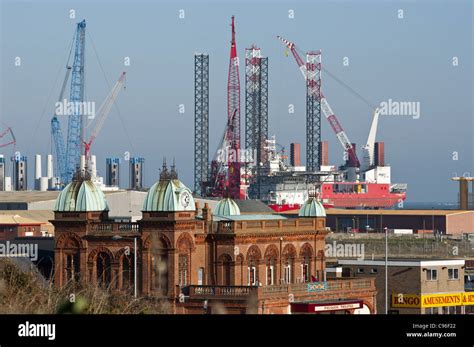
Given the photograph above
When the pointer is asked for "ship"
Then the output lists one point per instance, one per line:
(368, 186)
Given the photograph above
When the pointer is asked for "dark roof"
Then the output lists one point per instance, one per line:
(253, 206)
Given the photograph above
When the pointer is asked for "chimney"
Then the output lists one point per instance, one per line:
(197, 207)
(93, 168)
(295, 154)
(379, 154)
(323, 154)
(38, 166)
(49, 166)
(206, 216)
(463, 194)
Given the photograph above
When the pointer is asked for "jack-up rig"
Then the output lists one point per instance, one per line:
(259, 171)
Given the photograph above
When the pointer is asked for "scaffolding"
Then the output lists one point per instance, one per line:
(201, 122)
(313, 111)
(256, 111)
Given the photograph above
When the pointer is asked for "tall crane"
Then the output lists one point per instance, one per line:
(325, 108)
(102, 114)
(225, 175)
(76, 123)
(57, 135)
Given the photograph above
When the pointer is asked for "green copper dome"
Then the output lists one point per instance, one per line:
(312, 208)
(227, 207)
(169, 195)
(81, 196)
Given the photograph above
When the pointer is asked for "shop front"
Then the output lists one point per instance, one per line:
(330, 307)
(439, 303)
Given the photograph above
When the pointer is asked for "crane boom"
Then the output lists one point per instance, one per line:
(325, 108)
(75, 123)
(103, 113)
(57, 135)
(368, 158)
(12, 141)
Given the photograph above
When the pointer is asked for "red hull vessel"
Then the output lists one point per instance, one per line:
(352, 195)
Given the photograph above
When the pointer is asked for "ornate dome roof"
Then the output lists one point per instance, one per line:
(169, 194)
(227, 207)
(312, 208)
(81, 195)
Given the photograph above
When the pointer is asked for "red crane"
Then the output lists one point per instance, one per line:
(10, 141)
(103, 112)
(225, 167)
(325, 108)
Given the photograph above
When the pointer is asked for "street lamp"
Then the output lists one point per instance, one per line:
(386, 270)
(281, 263)
(118, 237)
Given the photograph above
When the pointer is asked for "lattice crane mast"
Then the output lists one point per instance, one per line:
(76, 123)
(225, 168)
(57, 135)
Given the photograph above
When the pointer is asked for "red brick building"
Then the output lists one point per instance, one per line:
(199, 261)
(15, 226)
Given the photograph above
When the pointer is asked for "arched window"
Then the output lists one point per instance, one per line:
(70, 262)
(72, 266)
(183, 270)
(271, 258)
(159, 263)
(253, 257)
(225, 270)
(289, 255)
(103, 269)
(306, 255)
(185, 246)
(127, 269)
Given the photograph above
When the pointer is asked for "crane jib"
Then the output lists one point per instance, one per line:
(325, 108)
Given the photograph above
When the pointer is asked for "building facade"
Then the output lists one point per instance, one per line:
(416, 286)
(199, 261)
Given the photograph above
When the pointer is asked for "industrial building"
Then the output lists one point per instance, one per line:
(414, 286)
(452, 222)
(20, 172)
(112, 172)
(136, 173)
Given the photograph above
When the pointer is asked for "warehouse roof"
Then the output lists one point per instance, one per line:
(41, 216)
(246, 217)
(253, 206)
(14, 219)
(35, 196)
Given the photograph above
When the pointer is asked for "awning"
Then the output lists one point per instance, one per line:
(315, 307)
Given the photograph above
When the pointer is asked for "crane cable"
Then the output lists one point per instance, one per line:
(108, 85)
(345, 85)
(35, 130)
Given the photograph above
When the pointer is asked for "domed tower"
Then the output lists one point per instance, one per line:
(169, 198)
(79, 206)
(168, 229)
(227, 207)
(312, 208)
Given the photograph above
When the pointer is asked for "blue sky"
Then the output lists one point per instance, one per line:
(407, 59)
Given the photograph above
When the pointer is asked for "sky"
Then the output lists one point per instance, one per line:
(406, 51)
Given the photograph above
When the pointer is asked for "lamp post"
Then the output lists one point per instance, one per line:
(386, 270)
(281, 263)
(118, 237)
